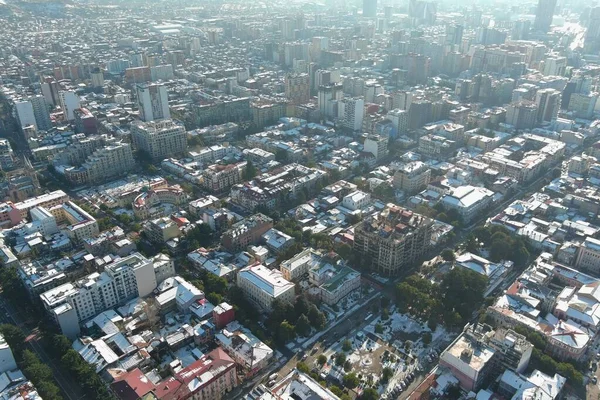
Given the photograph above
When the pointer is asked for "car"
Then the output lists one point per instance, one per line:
(271, 383)
(304, 357)
(594, 380)
(273, 376)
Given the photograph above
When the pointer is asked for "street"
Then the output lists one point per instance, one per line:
(70, 389)
(342, 328)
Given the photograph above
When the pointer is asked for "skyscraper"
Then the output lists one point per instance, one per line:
(543, 15)
(153, 102)
(370, 8)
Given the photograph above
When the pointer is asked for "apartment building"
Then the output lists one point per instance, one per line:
(69, 102)
(247, 350)
(9, 215)
(269, 189)
(393, 238)
(436, 146)
(246, 232)
(412, 177)
(211, 376)
(153, 102)
(297, 88)
(81, 224)
(47, 200)
(376, 145)
(263, 286)
(103, 164)
(588, 256)
(122, 280)
(161, 230)
(220, 178)
(160, 139)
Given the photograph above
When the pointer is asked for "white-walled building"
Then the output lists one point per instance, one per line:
(7, 360)
(356, 200)
(351, 112)
(160, 139)
(469, 201)
(69, 102)
(263, 286)
(247, 350)
(122, 280)
(153, 102)
(24, 114)
(376, 145)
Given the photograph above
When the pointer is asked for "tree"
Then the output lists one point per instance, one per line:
(214, 298)
(387, 373)
(317, 318)
(303, 325)
(385, 192)
(48, 390)
(462, 291)
(302, 367)
(249, 171)
(385, 314)
(350, 380)
(378, 328)
(15, 338)
(202, 234)
(344, 251)
(347, 345)
(322, 359)
(426, 338)
(286, 332)
(281, 155)
(340, 359)
(448, 255)
(301, 306)
(369, 394)
(347, 366)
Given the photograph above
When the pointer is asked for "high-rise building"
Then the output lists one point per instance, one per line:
(153, 102)
(297, 88)
(543, 15)
(592, 33)
(399, 119)
(328, 96)
(159, 139)
(454, 34)
(50, 91)
(422, 11)
(583, 105)
(97, 77)
(393, 238)
(351, 112)
(520, 30)
(522, 115)
(24, 114)
(69, 102)
(376, 145)
(548, 103)
(369, 8)
(553, 66)
(40, 112)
